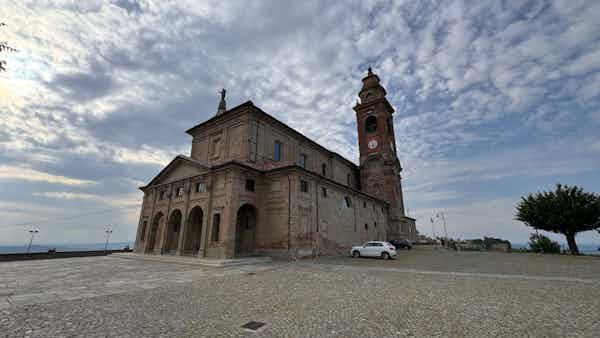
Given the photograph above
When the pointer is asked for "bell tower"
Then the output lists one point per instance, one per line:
(379, 165)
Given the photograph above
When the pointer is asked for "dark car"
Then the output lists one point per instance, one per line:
(401, 244)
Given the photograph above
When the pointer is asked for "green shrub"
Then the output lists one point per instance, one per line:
(543, 244)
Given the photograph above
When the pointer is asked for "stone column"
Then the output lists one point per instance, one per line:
(207, 217)
(150, 221)
(228, 215)
(163, 238)
(138, 235)
(184, 220)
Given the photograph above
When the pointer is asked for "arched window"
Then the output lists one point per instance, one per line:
(371, 124)
(347, 202)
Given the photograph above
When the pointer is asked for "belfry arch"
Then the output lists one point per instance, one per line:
(371, 124)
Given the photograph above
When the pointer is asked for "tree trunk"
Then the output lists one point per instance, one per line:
(572, 244)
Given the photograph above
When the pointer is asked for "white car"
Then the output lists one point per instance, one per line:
(374, 249)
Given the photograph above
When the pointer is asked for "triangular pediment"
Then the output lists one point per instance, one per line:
(179, 168)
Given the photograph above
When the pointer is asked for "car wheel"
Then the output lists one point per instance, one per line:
(385, 255)
(355, 253)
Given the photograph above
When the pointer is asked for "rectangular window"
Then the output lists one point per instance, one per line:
(277, 151)
(249, 185)
(349, 178)
(324, 169)
(347, 202)
(324, 192)
(303, 186)
(161, 195)
(364, 204)
(200, 187)
(215, 227)
(302, 160)
(180, 191)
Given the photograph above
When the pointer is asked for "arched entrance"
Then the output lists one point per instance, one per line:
(245, 230)
(193, 232)
(173, 227)
(153, 237)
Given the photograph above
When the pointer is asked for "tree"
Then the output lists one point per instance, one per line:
(566, 210)
(4, 47)
(488, 242)
(543, 244)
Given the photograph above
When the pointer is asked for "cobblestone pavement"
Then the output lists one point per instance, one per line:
(529, 264)
(336, 297)
(44, 281)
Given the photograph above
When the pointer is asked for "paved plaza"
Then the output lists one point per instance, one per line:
(424, 292)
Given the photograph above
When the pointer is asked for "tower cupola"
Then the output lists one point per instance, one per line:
(371, 88)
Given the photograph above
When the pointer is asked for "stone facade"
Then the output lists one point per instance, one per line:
(254, 185)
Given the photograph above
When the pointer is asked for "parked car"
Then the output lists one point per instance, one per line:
(374, 249)
(401, 243)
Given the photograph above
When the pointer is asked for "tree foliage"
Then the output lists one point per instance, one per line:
(543, 244)
(4, 47)
(488, 242)
(566, 210)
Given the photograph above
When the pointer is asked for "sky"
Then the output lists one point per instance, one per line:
(493, 99)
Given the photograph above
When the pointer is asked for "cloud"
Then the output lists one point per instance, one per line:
(128, 200)
(131, 6)
(66, 195)
(84, 86)
(27, 174)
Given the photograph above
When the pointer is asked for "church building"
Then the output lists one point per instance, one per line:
(253, 185)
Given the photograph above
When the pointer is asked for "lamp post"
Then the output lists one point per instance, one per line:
(108, 232)
(441, 215)
(32, 233)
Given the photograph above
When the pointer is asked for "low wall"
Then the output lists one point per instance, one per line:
(53, 255)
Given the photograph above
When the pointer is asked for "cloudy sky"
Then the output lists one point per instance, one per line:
(494, 99)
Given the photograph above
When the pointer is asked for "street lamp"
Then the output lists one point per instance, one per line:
(441, 215)
(108, 232)
(32, 232)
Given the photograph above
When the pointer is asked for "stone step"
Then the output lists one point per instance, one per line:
(211, 262)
